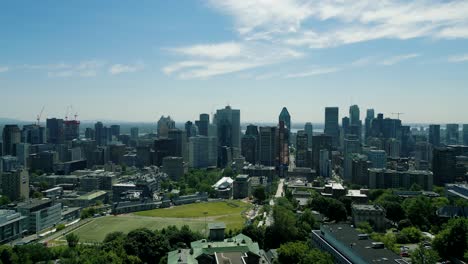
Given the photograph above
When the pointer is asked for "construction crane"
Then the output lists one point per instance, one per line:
(398, 114)
(38, 117)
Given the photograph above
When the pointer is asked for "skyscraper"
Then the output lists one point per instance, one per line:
(301, 148)
(285, 117)
(180, 142)
(309, 130)
(71, 129)
(228, 125)
(267, 142)
(33, 134)
(100, 134)
(134, 133)
(370, 114)
(11, 136)
(55, 131)
(282, 139)
(164, 125)
(202, 124)
(354, 115)
(250, 144)
(331, 125)
(434, 135)
(351, 146)
(452, 134)
(465, 134)
(321, 142)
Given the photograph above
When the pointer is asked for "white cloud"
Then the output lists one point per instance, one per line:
(313, 72)
(208, 60)
(327, 23)
(458, 58)
(125, 68)
(4, 69)
(399, 58)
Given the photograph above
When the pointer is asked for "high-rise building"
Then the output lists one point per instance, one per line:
(22, 153)
(370, 115)
(309, 129)
(164, 125)
(354, 115)
(115, 130)
(282, 139)
(351, 146)
(203, 124)
(71, 129)
(227, 121)
(55, 131)
(325, 163)
(452, 134)
(377, 158)
(332, 127)
(11, 136)
(301, 148)
(393, 147)
(465, 134)
(267, 142)
(180, 143)
(33, 134)
(249, 148)
(285, 117)
(15, 184)
(100, 134)
(434, 135)
(321, 142)
(90, 133)
(444, 163)
(134, 134)
(202, 152)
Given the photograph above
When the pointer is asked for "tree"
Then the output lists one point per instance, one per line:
(4, 200)
(149, 246)
(420, 211)
(60, 227)
(452, 241)
(260, 194)
(422, 255)
(365, 227)
(394, 211)
(409, 235)
(316, 256)
(292, 252)
(72, 240)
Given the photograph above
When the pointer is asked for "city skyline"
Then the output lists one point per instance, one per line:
(137, 62)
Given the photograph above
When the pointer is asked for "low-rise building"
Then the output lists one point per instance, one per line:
(11, 225)
(242, 186)
(223, 188)
(41, 214)
(348, 246)
(371, 213)
(174, 167)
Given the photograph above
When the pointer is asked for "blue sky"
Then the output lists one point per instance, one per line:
(137, 60)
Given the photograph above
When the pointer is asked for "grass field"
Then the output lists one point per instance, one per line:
(192, 215)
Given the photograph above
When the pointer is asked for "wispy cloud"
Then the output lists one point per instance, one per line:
(4, 69)
(125, 68)
(202, 61)
(399, 58)
(313, 72)
(458, 58)
(298, 22)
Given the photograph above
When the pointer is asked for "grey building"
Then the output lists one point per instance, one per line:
(434, 135)
(11, 225)
(174, 167)
(373, 214)
(227, 121)
(452, 134)
(332, 127)
(41, 214)
(241, 186)
(15, 184)
(11, 136)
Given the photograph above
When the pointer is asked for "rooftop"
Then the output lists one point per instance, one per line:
(91, 195)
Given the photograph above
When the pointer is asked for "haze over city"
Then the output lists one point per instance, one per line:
(135, 62)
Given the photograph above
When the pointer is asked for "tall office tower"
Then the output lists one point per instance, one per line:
(90, 133)
(391, 128)
(115, 130)
(321, 142)
(377, 158)
(100, 134)
(249, 149)
(331, 125)
(282, 137)
(180, 142)
(71, 129)
(285, 117)
(325, 163)
(309, 129)
(452, 134)
(301, 148)
(354, 115)
(15, 184)
(393, 147)
(345, 123)
(33, 134)
(350, 147)
(11, 136)
(134, 133)
(203, 124)
(190, 129)
(250, 144)
(267, 142)
(377, 126)
(228, 125)
(55, 133)
(465, 134)
(22, 153)
(202, 152)
(434, 135)
(164, 125)
(163, 147)
(407, 141)
(444, 162)
(370, 115)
